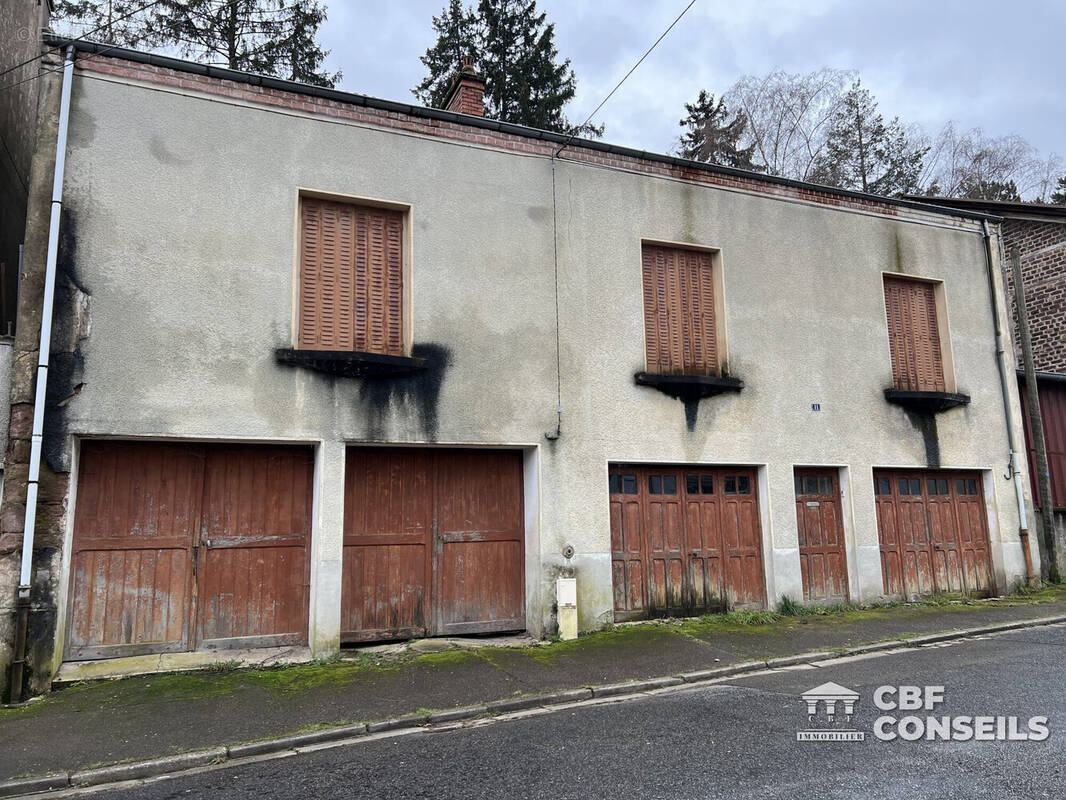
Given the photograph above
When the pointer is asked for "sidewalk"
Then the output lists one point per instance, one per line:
(131, 719)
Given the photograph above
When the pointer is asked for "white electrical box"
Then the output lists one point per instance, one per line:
(566, 592)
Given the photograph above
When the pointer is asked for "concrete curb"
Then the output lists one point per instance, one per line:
(166, 765)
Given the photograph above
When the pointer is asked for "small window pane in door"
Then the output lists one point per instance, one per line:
(825, 484)
(810, 485)
(692, 484)
(655, 484)
(904, 486)
(629, 484)
(971, 486)
(707, 484)
(614, 483)
(916, 486)
(731, 485)
(744, 484)
(669, 484)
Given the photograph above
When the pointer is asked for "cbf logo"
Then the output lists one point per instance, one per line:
(830, 710)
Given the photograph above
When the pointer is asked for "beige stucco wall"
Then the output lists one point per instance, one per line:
(183, 220)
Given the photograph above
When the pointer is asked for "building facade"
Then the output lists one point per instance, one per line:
(331, 369)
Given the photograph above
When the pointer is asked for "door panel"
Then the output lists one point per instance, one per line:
(933, 525)
(627, 547)
(480, 541)
(131, 566)
(388, 520)
(823, 562)
(434, 543)
(254, 543)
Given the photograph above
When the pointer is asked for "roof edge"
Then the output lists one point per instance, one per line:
(352, 98)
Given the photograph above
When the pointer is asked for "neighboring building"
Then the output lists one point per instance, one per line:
(1038, 231)
(329, 368)
(21, 23)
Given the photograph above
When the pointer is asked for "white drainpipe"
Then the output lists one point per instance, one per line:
(37, 436)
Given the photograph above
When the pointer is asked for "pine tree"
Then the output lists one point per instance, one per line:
(272, 37)
(991, 190)
(121, 22)
(457, 36)
(514, 48)
(712, 133)
(1059, 195)
(865, 153)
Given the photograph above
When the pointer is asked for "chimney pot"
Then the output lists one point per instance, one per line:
(467, 93)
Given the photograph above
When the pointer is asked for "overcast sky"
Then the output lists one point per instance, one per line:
(985, 64)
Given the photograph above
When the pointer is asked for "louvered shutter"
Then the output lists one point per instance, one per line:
(351, 278)
(914, 335)
(679, 321)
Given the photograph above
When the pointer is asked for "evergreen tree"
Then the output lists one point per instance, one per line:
(1059, 195)
(121, 22)
(272, 37)
(990, 190)
(712, 133)
(457, 36)
(865, 153)
(514, 47)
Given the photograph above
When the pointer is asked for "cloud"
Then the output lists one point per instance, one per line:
(981, 63)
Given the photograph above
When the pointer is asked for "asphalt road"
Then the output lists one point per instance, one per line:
(726, 741)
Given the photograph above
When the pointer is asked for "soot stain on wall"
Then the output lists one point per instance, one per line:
(416, 394)
(70, 326)
(926, 424)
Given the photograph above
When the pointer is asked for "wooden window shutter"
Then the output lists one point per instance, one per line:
(914, 335)
(680, 330)
(351, 278)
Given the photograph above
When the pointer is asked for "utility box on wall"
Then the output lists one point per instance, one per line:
(566, 598)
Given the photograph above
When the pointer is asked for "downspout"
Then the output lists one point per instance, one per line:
(1012, 465)
(22, 600)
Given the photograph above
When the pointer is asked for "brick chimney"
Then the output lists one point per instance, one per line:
(467, 94)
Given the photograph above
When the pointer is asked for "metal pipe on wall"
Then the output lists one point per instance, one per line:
(1012, 466)
(23, 598)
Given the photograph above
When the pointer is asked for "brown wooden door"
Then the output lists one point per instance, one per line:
(180, 546)
(823, 563)
(933, 532)
(685, 540)
(253, 549)
(434, 543)
(131, 562)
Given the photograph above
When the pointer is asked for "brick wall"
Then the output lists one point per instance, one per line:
(1043, 250)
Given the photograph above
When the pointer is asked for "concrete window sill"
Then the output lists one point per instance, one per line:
(350, 364)
(926, 402)
(689, 387)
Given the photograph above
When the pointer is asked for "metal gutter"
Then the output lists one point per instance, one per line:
(37, 434)
(365, 101)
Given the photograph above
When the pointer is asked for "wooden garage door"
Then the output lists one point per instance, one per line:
(823, 564)
(684, 540)
(933, 532)
(181, 547)
(434, 543)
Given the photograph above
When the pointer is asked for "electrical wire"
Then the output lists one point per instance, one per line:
(632, 69)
